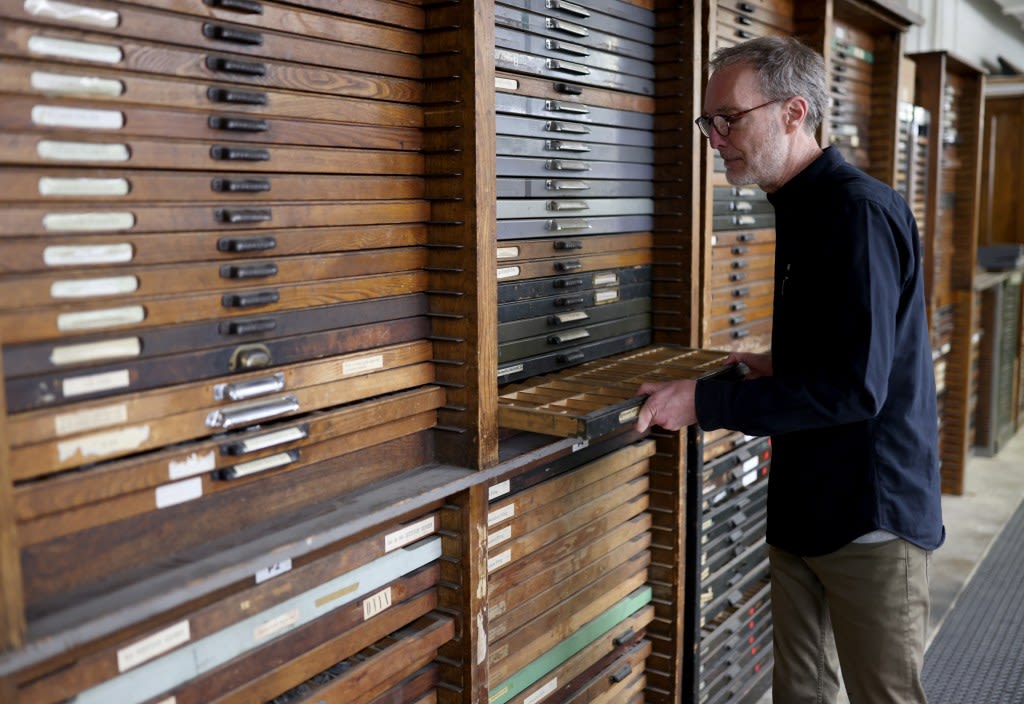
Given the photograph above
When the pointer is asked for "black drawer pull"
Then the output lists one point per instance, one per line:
(740, 250)
(248, 327)
(745, 7)
(246, 244)
(250, 300)
(568, 244)
(741, 292)
(621, 674)
(737, 305)
(573, 301)
(570, 358)
(739, 264)
(737, 319)
(737, 276)
(248, 271)
(241, 217)
(737, 334)
(248, 7)
(245, 185)
(237, 124)
(242, 97)
(568, 266)
(743, 34)
(222, 153)
(237, 66)
(568, 283)
(231, 34)
(624, 638)
(745, 237)
(568, 89)
(741, 19)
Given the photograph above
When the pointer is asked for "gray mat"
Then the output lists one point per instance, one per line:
(977, 656)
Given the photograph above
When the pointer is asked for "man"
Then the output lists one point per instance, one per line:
(847, 392)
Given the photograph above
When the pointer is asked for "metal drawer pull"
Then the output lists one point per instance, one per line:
(743, 34)
(267, 440)
(740, 250)
(231, 34)
(248, 357)
(237, 124)
(567, 266)
(569, 7)
(559, 106)
(567, 127)
(232, 185)
(560, 206)
(240, 217)
(242, 97)
(744, 220)
(568, 89)
(745, 7)
(570, 358)
(248, 327)
(570, 336)
(558, 145)
(740, 333)
(246, 244)
(739, 264)
(568, 225)
(250, 300)
(567, 27)
(567, 67)
(248, 7)
(237, 66)
(248, 271)
(568, 283)
(222, 153)
(563, 165)
(741, 19)
(565, 48)
(565, 302)
(741, 206)
(245, 390)
(248, 414)
(568, 244)
(556, 185)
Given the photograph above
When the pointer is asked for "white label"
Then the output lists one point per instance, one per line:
(549, 687)
(501, 514)
(244, 469)
(606, 279)
(506, 271)
(90, 419)
(714, 240)
(630, 414)
(84, 288)
(508, 252)
(749, 478)
(499, 537)
(152, 646)
(274, 570)
(750, 463)
(572, 317)
(49, 186)
(499, 560)
(280, 437)
(87, 222)
(506, 83)
(178, 492)
(276, 625)
(102, 444)
(85, 51)
(191, 465)
(95, 382)
(409, 534)
(362, 365)
(93, 351)
(375, 604)
(109, 317)
(510, 369)
(70, 12)
(499, 489)
(49, 116)
(81, 151)
(62, 255)
(581, 445)
(63, 84)
(606, 296)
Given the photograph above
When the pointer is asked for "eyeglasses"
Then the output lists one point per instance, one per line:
(723, 123)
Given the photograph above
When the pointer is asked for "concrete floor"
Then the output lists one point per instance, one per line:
(993, 489)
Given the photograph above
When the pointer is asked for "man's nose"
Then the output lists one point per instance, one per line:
(716, 140)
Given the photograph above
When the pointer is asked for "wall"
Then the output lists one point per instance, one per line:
(974, 30)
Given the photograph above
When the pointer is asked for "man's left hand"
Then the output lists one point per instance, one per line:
(670, 404)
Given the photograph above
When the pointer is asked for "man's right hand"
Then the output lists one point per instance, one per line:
(760, 364)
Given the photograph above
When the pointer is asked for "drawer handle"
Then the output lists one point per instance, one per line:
(553, 184)
(568, 89)
(246, 244)
(563, 165)
(249, 357)
(222, 153)
(570, 358)
(559, 145)
(251, 413)
(737, 276)
(236, 66)
(567, 7)
(620, 674)
(237, 124)
(739, 264)
(250, 300)
(566, 127)
(566, 67)
(262, 464)
(624, 638)
(743, 34)
(245, 390)
(233, 185)
(744, 220)
(240, 97)
(745, 7)
(248, 327)
(248, 271)
(741, 206)
(737, 305)
(241, 217)
(737, 334)
(737, 319)
(740, 250)
(559, 106)
(567, 266)
(568, 244)
(265, 441)
(565, 47)
(559, 206)
(568, 224)
(745, 237)
(741, 292)
(741, 19)
(248, 7)
(231, 34)
(558, 25)
(565, 302)
(570, 336)
(568, 283)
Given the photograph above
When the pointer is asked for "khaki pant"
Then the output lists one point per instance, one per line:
(863, 607)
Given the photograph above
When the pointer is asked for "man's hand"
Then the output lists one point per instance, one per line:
(758, 363)
(669, 404)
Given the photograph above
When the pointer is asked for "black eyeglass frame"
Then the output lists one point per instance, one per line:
(722, 123)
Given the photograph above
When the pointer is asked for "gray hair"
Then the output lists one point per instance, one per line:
(785, 67)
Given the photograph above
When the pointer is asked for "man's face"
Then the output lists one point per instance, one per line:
(755, 149)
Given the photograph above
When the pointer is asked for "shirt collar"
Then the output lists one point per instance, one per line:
(797, 187)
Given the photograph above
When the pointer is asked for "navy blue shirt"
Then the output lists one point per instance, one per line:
(851, 404)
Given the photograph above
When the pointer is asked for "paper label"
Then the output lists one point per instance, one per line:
(338, 594)
(94, 351)
(375, 604)
(63, 84)
(630, 414)
(606, 279)
(78, 118)
(85, 288)
(263, 464)
(81, 151)
(90, 419)
(87, 222)
(61, 255)
(72, 12)
(49, 186)
(499, 489)
(102, 444)
(549, 687)
(274, 570)
(109, 317)
(505, 272)
(94, 383)
(499, 560)
(750, 463)
(152, 646)
(68, 49)
(409, 534)
(276, 625)
(505, 83)
(499, 537)
(362, 365)
(501, 514)
(508, 252)
(749, 478)
(191, 465)
(179, 492)
(581, 445)
(280, 437)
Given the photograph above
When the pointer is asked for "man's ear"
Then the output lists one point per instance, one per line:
(796, 113)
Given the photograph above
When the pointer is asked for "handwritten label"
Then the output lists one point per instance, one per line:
(72, 12)
(276, 625)
(152, 646)
(50, 116)
(508, 252)
(409, 534)
(601, 297)
(507, 271)
(362, 365)
(273, 571)
(499, 537)
(501, 514)
(498, 490)
(549, 687)
(87, 222)
(375, 604)
(499, 560)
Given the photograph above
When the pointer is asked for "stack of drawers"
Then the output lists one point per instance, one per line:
(850, 79)
(214, 331)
